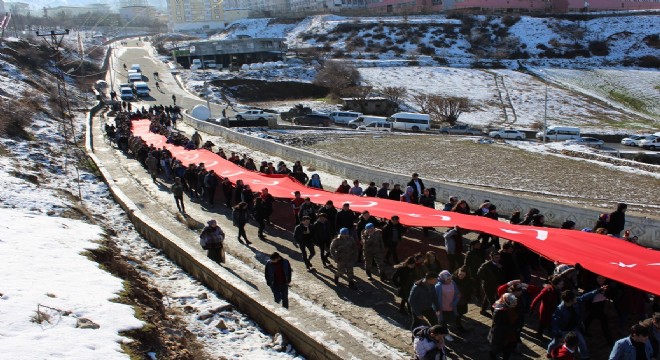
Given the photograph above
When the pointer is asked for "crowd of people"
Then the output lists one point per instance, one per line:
(493, 274)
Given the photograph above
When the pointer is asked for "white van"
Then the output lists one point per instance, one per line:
(134, 77)
(559, 133)
(410, 121)
(141, 88)
(343, 117)
(376, 125)
(364, 120)
(136, 67)
(196, 64)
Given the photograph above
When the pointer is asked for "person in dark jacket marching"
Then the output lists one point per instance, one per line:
(303, 237)
(403, 279)
(392, 234)
(490, 276)
(617, 220)
(210, 184)
(504, 333)
(278, 277)
(418, 187)
(240, 218)
(260, 213)
(177, 191)
(212, 239)
(424, 302)
(323, 234)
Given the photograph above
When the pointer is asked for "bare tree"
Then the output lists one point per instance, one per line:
(360, 94)
(395, 94)
(441, 109)
(337, 76)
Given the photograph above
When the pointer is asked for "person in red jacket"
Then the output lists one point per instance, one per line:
(568, 349)
(547, 301)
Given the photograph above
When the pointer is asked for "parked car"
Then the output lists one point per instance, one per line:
(377, 125)
(343, 117)
(652, 142)
(631, 140)
(559, 133)
(639, 141)
(587, 141)
(255, 115)
(507, 134)
(313, 120)
(460, 129)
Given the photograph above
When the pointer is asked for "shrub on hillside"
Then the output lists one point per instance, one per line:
(337, 76)
(509, 21)
(440, 60)
(379, 36)
(652, 41)
(649, 61)
(599, 48)
(425, 50)
(15, 115)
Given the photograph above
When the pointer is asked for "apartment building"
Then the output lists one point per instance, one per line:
(190, 15)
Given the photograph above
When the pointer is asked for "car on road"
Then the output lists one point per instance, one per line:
(460, 129)
(377, 125)
(632, 140)
(255, 115)
(638, 142)
(507, 134)
(320, 120)
(126, 93)
(651, 142)
(587, 141)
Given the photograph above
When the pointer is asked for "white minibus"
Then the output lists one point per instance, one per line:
(410, 121)
(559, 133)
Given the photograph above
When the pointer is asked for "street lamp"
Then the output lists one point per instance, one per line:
(206, 89)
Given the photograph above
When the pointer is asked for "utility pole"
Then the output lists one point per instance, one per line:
(54, 40)
(545, 116)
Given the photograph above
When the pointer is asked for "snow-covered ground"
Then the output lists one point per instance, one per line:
(44, 268)
(591, 92)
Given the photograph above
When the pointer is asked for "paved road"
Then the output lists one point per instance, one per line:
(372, 308)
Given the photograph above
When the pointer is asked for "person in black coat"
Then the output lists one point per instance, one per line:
(323, 234)
(331, 214)
(617, 220)
(304, 238)
(260, 214)
(395, 194)
(392, 234)
(345, 218)
(418, 187)
(240, 218)
(490, 276)
(278, 277)
(404, 278)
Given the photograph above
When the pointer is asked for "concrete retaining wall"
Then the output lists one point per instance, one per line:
(646, 227)
(208, 272)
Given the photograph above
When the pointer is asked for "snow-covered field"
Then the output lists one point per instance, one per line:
(591, 92)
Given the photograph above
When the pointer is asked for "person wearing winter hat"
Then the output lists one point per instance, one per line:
(504, 333)
(373, 250)
(343, 250)
(429, 342)
(212, 239)
(448, 296)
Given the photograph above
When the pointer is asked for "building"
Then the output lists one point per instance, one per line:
(233, 52)
(195, 15)
(133, 14)
(405, 6)
(69, 11)
(502, 6)
(18, 8)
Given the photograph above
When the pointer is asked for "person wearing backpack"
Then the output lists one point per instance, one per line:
(429, 342)
(212, 239)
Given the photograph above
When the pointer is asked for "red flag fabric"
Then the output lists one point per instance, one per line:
(613, 258)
